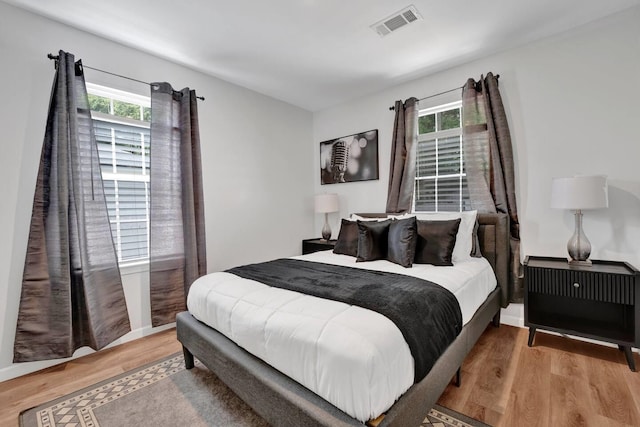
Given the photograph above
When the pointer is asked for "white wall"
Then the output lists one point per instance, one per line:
(573, 104)
(258, 193)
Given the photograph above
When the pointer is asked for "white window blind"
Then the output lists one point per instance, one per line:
(121, 124)
(441, 183)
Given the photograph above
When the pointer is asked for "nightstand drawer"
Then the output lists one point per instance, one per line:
(613, 288)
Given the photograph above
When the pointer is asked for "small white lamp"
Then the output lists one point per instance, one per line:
(326, 203)
(579, 193)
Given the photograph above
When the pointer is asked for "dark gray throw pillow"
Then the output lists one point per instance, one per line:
(372, 240)
(402, 241)
(435, 242)
(347, 243)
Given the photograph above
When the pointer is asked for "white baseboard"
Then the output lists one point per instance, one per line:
(513, 315)
(507, 319)
(19, 369)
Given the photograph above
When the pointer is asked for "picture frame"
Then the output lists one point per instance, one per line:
(349, 158)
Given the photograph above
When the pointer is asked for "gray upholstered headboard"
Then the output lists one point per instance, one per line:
(493, 234)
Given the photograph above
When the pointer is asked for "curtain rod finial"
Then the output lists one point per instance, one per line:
(392, 108)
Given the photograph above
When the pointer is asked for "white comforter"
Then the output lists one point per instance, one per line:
(354, 358)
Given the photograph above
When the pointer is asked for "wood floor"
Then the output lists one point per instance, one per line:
(558, 382)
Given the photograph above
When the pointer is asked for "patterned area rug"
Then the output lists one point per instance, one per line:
(165, 394)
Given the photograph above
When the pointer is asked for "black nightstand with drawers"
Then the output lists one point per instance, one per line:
(315, 245)
(600, 302)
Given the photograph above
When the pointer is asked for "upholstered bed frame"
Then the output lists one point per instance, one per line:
(283, 402)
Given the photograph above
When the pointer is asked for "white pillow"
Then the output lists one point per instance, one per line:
(355, 217)
(464, 238)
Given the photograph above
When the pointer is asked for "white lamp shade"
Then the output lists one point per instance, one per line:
(580, 192)
(325, 203)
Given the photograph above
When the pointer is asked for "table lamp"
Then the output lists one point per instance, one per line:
(579, 193)
(326, 203)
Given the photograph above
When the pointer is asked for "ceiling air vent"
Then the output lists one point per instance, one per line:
(396, 21)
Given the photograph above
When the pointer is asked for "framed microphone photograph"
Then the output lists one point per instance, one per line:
(349, 158)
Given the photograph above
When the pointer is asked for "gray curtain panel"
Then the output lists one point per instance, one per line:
(403, 157)
(177, 252)
(72, 295)
(488, 157)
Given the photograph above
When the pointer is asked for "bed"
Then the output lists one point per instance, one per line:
(283, 401)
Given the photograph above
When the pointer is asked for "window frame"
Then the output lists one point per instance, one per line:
(140, 263)
(435, 136)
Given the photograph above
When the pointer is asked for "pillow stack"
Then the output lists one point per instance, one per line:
(440, 239)
(467, 244)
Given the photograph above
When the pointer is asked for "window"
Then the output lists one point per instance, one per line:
(121, 124)
(441, 183)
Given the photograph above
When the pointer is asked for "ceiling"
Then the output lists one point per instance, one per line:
(318, 53)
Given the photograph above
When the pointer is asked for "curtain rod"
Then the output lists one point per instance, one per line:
(55, 58)
(431, 96)
(438, 94)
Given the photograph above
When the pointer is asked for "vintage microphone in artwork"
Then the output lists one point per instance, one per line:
(339, 156)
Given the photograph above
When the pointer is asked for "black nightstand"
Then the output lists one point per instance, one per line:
(315, 245)
(600, 302)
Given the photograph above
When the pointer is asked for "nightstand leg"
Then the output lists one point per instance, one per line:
(532, 333)
(629, 355)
